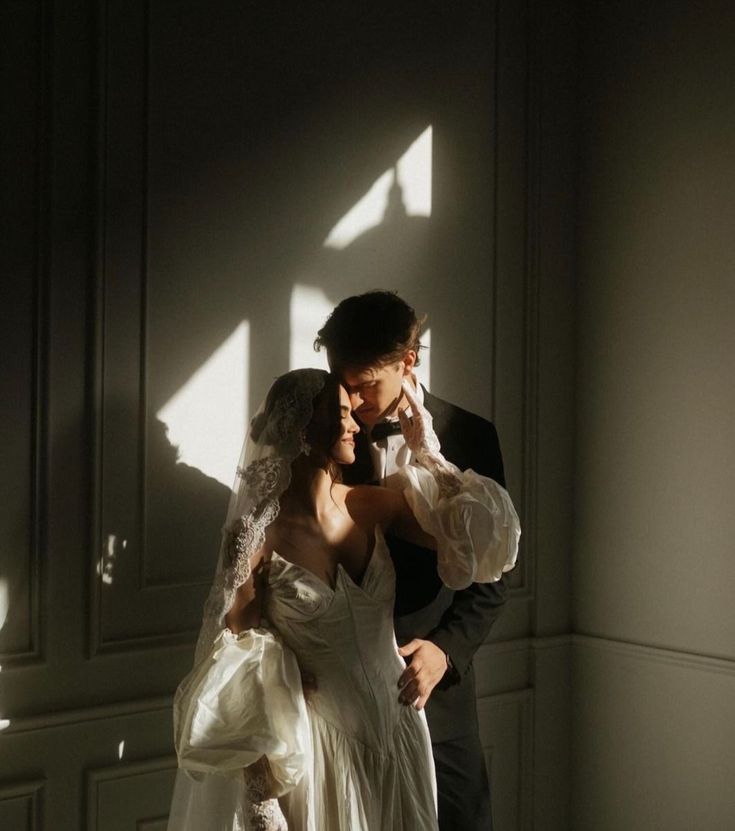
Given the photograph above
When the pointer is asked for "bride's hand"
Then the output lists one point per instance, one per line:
(418, 431)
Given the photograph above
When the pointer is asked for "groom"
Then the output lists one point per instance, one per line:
(372, 343)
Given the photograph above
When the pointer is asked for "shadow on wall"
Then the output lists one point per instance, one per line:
(183, 523)
(264, 132)
(161, 518)
(268, 134)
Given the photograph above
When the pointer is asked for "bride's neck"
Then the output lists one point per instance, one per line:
(310, 490)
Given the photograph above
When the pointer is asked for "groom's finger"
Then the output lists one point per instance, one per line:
(410, 394)
(420, 702)
(404, 421)
(408, 675)
(410, 647)
(409, 693)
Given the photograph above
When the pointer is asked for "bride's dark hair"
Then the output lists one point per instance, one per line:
(320, 433)
(325, 428)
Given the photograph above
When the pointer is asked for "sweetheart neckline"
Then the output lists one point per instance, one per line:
(379, 537)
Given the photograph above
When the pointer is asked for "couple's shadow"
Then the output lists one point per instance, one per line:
(185, 510)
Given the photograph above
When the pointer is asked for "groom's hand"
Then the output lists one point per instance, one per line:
(426, 668)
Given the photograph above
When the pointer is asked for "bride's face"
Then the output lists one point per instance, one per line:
(343, 450)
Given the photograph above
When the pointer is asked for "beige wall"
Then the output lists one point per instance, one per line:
(172, 175)
(653, 568)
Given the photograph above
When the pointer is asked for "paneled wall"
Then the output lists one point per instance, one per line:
(177, 179)
(654, 662)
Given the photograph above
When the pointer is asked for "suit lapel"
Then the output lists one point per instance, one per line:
(439, 413)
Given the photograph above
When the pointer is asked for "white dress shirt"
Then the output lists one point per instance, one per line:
(391, 453)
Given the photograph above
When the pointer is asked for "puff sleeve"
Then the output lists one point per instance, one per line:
(243, 701)
(476, 527)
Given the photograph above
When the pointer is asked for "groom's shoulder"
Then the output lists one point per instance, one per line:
(467, 439)
(448, 415)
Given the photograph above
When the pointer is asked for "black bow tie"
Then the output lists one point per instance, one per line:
(383, 429)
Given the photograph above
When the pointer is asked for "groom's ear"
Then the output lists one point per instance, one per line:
(409, 362)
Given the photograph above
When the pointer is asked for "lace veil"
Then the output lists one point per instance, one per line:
(275, 439)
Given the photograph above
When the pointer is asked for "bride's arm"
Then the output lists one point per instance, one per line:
(245, 612)
(371, 505)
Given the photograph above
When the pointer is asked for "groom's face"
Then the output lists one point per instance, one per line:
(375, 392)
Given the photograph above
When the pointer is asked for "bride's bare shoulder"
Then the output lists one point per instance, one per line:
(370, 505)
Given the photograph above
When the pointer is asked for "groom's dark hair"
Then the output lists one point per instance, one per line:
(372, 329)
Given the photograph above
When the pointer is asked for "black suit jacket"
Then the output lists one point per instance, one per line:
(458, 622)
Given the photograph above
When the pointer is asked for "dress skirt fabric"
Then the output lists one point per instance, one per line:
(352, 757)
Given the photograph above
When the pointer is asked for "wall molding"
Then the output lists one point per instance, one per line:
(562, 641)
(97, 777)
(658, 654)
(154, 640)
(642, 651)
(551, 642)
(117, 30)
(41, 241)
(32, 792)
(521, 699)
(531, 314)
(514, 170)
(151, 823)
(99, 317)
(520, 696)
(83, 715)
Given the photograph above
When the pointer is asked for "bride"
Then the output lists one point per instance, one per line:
(291, 717)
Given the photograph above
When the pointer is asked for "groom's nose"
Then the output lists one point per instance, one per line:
(355, 399)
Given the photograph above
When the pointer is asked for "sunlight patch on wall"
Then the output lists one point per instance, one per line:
(423, 370)
(412, 173)
(206, 419)
(106, 563)
(365, 214)
(4, 601)
(309, 308)
(4, 722)
(4, 607)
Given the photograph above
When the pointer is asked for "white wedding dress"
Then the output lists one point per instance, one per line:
(371, 767)
(352, 758)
